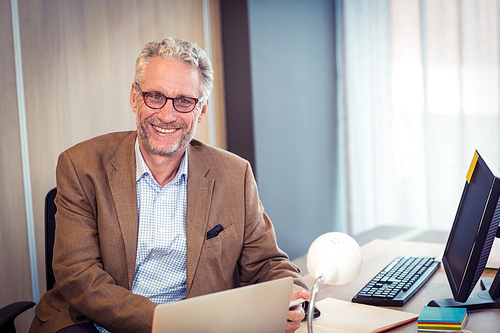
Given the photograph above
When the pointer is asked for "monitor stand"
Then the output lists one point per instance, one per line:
(478, 301)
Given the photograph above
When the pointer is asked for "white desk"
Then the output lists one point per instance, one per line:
(378, 253)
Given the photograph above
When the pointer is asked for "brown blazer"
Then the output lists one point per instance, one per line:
(97, 228)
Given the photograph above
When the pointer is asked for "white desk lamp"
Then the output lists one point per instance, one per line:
(333, 258)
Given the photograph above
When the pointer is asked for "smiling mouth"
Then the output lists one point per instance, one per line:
(164, 130)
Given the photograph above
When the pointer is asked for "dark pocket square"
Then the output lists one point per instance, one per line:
(215, 231)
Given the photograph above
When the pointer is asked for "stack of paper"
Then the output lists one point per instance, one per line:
(445, 319)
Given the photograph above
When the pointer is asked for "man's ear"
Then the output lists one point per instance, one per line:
(133, 100)
(203, 113)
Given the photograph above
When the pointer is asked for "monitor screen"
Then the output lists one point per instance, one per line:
(471, 238)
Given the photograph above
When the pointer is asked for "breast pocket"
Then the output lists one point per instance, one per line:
(218, 260)
(226, 237)
(219, 257)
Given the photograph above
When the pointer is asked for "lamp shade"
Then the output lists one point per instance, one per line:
(335, 256)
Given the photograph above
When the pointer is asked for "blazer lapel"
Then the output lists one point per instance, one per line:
(121, 177)
(199, 198)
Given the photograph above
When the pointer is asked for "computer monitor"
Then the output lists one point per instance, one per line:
(475, 227)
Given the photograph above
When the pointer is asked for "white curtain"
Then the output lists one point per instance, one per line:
(418, 93)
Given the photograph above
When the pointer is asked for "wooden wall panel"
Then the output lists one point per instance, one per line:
(78, 59)
(15, 278)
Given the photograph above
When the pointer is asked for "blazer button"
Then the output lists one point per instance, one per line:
(80, 318)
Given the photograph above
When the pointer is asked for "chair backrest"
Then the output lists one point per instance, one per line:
(50, 228)
(10, 312)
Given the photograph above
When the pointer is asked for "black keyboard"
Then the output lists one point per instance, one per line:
(398, 282)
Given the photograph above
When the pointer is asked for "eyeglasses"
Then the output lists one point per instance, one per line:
(156, 100)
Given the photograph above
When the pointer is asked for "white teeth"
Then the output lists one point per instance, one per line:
(164, 130)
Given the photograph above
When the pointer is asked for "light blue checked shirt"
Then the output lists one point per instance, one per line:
(160, 266)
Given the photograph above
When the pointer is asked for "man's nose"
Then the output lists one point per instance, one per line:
(167, 113)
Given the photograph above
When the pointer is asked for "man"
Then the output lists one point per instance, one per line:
(153, 216)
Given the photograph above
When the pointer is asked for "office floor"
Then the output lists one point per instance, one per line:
(390, 232)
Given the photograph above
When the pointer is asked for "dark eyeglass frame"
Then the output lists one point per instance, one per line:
(174, 99)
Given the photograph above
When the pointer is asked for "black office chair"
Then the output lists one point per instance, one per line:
(9, 313)
(50, 229)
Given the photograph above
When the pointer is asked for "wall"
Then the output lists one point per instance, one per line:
(292, 48)
(15, 280)
(78, 60)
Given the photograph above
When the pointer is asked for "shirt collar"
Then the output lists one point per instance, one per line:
(141, 168)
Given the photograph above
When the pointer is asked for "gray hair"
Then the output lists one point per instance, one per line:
(181, 50)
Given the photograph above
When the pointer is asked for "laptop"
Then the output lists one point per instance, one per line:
(261, 307)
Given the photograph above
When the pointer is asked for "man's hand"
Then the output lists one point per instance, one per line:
(296, 313)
